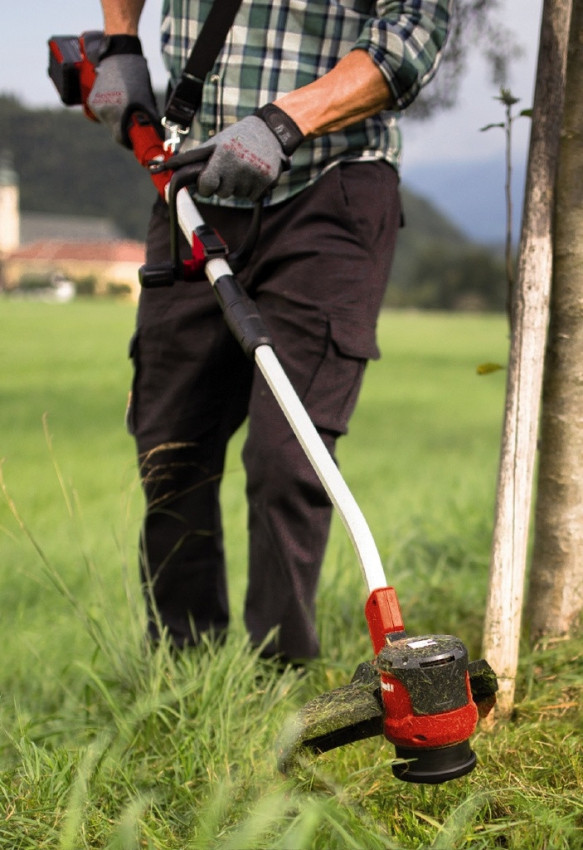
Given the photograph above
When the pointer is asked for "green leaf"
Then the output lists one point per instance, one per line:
(507, 98)
(488, 368)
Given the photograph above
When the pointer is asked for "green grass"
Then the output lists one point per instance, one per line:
(105, 745)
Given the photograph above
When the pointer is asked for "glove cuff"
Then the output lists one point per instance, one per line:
(116, 45)
(282, 126)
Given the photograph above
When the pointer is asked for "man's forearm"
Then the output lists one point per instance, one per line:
(355, 89)
(122, 16)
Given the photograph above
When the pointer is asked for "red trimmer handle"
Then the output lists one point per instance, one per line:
(148, 149)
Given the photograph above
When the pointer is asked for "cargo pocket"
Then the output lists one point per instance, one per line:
(333, 391)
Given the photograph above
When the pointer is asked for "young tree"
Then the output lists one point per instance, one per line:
(555, 601)
(525, 368)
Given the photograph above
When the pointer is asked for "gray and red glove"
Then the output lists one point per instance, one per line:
(246, 159)
(122, 84)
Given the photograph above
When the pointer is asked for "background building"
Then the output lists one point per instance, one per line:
(40, 250)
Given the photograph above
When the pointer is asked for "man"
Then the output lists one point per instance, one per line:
(323, 153)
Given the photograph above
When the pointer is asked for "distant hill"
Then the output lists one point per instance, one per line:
(423, 227)
(471, 195)
(69, 166)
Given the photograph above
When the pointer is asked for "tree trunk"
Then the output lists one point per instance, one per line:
(555, 599)
(525, 368)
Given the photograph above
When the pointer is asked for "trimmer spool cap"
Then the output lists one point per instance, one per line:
(433, 766)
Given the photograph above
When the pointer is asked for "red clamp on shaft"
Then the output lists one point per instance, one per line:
(206, 245)
(383, 615)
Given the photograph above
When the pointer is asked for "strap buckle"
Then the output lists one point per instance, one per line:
(174, 135)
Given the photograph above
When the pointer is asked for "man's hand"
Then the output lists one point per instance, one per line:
(244, 160)
(122, 85)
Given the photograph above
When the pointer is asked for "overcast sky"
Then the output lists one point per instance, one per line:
(453, 135)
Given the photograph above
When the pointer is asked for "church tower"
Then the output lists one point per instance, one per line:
(9, 205)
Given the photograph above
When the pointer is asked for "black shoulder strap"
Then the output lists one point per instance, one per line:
(186, 96)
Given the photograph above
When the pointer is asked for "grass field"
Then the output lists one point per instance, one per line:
(105, 745)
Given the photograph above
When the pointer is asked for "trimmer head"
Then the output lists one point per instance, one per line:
(421, 693)
(355, 711)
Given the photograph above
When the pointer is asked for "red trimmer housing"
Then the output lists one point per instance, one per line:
(428, 707)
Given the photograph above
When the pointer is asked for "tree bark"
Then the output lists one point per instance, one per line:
(555, 601)
(530, 303)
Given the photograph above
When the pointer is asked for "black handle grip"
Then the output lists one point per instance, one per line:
(241, 314)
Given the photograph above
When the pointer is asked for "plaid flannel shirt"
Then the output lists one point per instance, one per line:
(276, 46)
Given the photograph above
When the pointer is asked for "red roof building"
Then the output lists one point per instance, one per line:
(37, 249)
(98, 267)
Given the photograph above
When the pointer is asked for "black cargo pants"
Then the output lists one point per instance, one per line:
(318, 275)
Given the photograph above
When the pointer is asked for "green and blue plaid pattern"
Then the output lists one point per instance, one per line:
(275, 46)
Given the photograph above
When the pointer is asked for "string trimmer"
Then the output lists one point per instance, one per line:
(420, 692)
